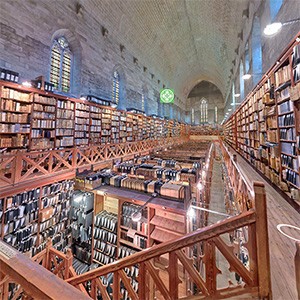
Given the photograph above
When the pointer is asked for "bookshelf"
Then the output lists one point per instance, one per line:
(16, 109)
(32, 119)
(106, 127)
(30, 217)
(43, 123)
(95, 125)
(82, 124)
(65, 114)
(267, 125)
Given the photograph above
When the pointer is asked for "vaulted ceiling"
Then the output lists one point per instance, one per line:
(181, 41)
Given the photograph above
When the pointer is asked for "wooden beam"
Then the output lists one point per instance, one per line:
(193, 273)
(126, 281)
(235, 264)
(157, 280)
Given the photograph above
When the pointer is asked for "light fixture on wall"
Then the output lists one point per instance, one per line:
(274, 28)
(137, 215)
(248, 75)
(27, 84)
(237, 95)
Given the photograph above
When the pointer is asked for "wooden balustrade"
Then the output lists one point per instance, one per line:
(21, 277)
(154, 278)
(22, 167)
(241, 185)
(166, 283)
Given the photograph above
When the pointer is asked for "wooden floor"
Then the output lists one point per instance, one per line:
(282, 248)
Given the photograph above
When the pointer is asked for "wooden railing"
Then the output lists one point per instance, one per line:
(21, 167)
(21, 278)
(241, 185)
(170, 283)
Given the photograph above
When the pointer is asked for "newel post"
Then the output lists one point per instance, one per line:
(262, 242)
(68, 263)
(48, 249)
(297, 267)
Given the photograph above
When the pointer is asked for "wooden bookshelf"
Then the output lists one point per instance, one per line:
(82, 124)
(15, 106)
(267, 125)
(65, 117)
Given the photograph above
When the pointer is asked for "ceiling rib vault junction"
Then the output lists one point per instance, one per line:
(182, 41)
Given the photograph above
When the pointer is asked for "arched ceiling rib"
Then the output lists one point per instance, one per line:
(181, 41)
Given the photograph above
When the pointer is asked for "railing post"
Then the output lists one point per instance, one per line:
(68, 263)
(142, 281)
(17, 167)
(173, 276)
(297, 267)
(262, 242)
(48, 248)
(116, 286)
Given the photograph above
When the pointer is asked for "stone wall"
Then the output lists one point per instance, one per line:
(28, 28)
(272, 47)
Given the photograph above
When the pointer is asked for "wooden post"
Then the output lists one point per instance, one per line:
(297, 267)
(116, 286)
(17, 170)
(68, 263)
(142, 281)
(48, 248)
(173, 276)
(262, 242)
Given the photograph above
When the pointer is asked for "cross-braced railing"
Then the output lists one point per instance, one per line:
(25, 166)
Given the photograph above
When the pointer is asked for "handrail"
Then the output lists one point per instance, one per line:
(201, 234)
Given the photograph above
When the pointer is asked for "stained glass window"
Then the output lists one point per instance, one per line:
(143, 102)
(203, 111)
(61, 59)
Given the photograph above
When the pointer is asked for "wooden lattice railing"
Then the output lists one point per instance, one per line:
(21, 167)
(168, 283)
(241, 185)
(21, 278)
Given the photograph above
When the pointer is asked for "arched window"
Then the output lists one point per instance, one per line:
(247, 65)
(241, 80)
(203, 111)
(116, 87)
(216, 114)
(193, 117)
(143, 102)
(233, 94)
(275, 6)
(61, 59)
(256, 51)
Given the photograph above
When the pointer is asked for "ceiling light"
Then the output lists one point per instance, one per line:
(246, 76)
(272, 29)
(236, 95)
(230, 109)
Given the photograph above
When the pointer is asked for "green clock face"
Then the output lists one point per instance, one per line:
(167, 96)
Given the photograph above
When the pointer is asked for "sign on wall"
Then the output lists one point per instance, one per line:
(167, 96)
